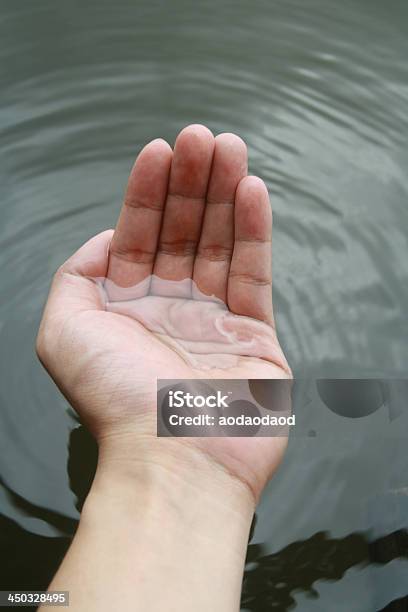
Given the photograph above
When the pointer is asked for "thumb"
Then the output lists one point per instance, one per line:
(72, 290)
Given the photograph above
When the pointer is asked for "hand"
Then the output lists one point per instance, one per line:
(189, 213)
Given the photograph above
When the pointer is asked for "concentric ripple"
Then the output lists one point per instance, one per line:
(319, 90)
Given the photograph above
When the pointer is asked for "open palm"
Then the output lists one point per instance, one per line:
(192, 247)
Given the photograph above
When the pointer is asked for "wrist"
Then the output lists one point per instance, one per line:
(173, 482)
(173, 516)
(167, 468)
(166, 520)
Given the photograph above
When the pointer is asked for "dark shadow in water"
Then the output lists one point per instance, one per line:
(271, 580)
(29, 561)
(82, 460)
(23, 507)
(398, 605)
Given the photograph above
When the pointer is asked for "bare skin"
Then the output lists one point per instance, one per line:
(191, 212)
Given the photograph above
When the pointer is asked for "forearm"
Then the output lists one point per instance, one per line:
(159, 531)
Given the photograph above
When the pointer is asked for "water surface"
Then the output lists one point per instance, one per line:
(319, 90)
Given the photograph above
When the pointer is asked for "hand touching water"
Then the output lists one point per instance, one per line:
(188, 213)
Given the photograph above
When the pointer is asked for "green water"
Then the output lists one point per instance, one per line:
(319, 90)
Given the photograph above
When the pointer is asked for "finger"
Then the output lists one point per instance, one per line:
(134, 244)
(73, 289)
(211, 266)
(184, 207)
(250, 276)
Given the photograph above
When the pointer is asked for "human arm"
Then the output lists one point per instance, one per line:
(188, 213)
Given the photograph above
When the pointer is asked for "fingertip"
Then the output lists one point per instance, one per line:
(252, 193)
(231, 141)
(161, 143)
(157, 148)
(253, 187)
(151, 168)
(253, 213)
(195, 132)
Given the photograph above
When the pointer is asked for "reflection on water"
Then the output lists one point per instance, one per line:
(270, 580)
(319, 89)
